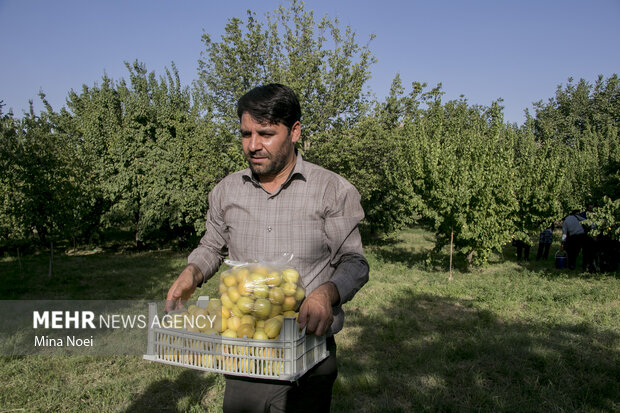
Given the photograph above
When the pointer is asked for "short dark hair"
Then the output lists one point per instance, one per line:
(272, 103)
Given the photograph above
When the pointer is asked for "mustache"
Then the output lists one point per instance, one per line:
(258, 154)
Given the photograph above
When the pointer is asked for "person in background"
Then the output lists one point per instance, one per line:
(609, 253)
(523, 249)
(590, 252)
(544, 243)
(573, 237)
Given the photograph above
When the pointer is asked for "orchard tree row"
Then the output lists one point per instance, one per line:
(462, 170)
(141, 154)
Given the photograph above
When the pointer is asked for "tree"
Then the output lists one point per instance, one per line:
(539, 183)
(10, 228)
(462, 171)
(605, 220)
(43, 174)
(372, 156)
(96, 115)
(322, 63)
(583, 119)
(152, 156)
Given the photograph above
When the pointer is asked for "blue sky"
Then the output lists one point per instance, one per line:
(515, 50)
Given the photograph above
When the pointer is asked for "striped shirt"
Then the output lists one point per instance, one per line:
(313, 215)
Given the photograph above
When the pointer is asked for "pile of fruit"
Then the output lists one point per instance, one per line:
(254, 299)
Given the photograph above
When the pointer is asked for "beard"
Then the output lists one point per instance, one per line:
(272, 163)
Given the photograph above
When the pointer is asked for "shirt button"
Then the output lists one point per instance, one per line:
(269, 229)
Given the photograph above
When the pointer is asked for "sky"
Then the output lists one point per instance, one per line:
(516, 50)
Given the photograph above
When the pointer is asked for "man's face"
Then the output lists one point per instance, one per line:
(268, 148)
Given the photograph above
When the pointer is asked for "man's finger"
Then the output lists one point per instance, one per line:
(324, 327)
(302, 316)
(175, 304)
(173, 298)
(312, 323)
(172, 295)
(320, 330)
(170, 305)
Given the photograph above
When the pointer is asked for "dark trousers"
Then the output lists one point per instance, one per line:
(311, 393)
(523, 250)
(543, 250)
(574, 244)
(609, 253)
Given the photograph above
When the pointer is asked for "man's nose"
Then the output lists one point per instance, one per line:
(255, 143)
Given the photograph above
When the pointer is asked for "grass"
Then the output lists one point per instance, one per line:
(507, 337)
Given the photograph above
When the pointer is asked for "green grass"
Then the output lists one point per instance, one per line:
(507, 337)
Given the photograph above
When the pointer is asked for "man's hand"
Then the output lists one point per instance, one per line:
(316, 312)
(183, 288)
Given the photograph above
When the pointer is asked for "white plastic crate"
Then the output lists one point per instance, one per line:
(287, 358)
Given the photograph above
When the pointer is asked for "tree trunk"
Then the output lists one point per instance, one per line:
(49, 272)
(139, 243)
(451, 249)
(42, 233)
(19, 260)
(470, 257)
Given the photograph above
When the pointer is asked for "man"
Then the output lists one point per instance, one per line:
(544, 243)
(523, 249)
(589, 243)
(573, 237)
(282, 203)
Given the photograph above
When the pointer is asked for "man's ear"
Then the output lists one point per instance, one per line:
(295, 132)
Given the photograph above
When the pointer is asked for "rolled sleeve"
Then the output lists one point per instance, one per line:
(350, 275)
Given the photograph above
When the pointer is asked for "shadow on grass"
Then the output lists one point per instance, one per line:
(99, 276)
(424, 352)
(164, 395)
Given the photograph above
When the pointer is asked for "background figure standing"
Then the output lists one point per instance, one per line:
(609, 253)
(544, 243)
(589, 244)
(573, 237)
(523, 249)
